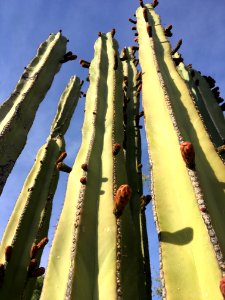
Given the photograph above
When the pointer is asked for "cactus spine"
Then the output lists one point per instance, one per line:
(30, 218)
(18, 112)
(171, 118)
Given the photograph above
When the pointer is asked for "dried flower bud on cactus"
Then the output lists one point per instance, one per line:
(84, 167)
(33, 251)
(42, 243)
(188, 154)
(113, 31)
(132, 21)
(121, 199)
(222, 286)
(61, 157)
(8, 253)
(155, 3)
(67, 57)
(83, 180)
(167, 31)
(32, 265)
(84, 63)
(116, 149)
(63, 167)
(38, 272)
(144, 201)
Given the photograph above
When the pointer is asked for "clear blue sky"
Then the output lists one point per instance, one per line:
(25, 24)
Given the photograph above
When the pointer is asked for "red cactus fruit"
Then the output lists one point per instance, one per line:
(116, 149)
(83, 180)
(37, 272)
(203, 209)
(61, 157)
(84, 167)
(84, 63)
(33, 251)
(42, 243)
(188, 154)
(121, 199)
(222, 286)
(8, 253)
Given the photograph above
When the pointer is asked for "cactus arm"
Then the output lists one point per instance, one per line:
(18, 112)
(24, 224)
(207, 105)
(184, 242)
(207, 160)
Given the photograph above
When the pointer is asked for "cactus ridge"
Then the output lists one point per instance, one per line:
(18, 112)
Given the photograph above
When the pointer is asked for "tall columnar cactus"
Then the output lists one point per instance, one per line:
(132, 143)
(184, 197)
(18, 112)
(94, 254)
(29, 222)
(206, 102)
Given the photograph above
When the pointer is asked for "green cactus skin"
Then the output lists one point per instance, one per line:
(18, 112)
(91, 256)
(134, 173)
(205, 100)
(187, 254)
(30, 218)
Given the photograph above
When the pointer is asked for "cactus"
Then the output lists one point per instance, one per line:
(29, 221)
(94, 254)
(18, 111)
(206, 102)
(187, 238)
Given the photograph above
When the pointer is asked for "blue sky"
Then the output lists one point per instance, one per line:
(25, 24)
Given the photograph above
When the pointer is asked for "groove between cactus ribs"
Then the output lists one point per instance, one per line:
(134, 173)
(176, 200)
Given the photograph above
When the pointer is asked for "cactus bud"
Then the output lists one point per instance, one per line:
(222, 286)
(32, 265)
(33, 251)
(84, 167)
(62, 156)
(116, 149)
(63, 167)
(113, 31)
(177, 47)
(83, 180)
(8, 253)
(121, 199)
(167, 31)
(38, 272)
(155, 3)
(188, 154)
(132, 21)
(84, 63)
(42, 243)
